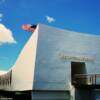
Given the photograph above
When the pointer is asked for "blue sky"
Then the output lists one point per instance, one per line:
(76, 15)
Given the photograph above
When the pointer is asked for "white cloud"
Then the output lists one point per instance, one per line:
(50, 19)
(6, 35)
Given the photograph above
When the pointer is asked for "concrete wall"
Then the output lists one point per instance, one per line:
(52, 70)
(48, 95)
(23, 69)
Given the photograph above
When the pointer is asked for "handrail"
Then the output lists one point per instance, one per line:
(86, 79)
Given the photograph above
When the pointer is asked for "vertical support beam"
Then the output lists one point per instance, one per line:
(72, 92)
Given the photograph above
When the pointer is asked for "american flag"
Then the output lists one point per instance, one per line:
(29, 27)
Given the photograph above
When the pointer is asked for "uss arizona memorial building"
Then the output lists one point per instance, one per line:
(56, 64)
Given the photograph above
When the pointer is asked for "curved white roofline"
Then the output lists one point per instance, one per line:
(72, 31)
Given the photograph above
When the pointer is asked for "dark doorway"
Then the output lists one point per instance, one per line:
(77, 68)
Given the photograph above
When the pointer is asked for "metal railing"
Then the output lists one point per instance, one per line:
(86, 79)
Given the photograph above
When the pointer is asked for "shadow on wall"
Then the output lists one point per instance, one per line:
(85, 94)
(4, 95)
